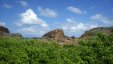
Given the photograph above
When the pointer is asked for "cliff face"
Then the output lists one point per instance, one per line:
(94, 31)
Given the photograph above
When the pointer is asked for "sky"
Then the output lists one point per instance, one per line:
(34, 18)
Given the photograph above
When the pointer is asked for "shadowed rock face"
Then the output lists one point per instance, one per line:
(3, 29)
(4, 32)
(94, 31)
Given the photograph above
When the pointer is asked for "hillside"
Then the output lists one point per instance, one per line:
(5, 32)
(47, 50)
(97, 50)
(94, 31)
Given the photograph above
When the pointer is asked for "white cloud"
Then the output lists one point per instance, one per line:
(72, 27)
(47, 12)
(7, 5)
(23, 3)
(30, 18)
(32, 31)
(76, 10)
(31, 25)
(101, 18)
(2, 23)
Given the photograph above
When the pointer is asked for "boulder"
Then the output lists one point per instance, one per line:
(58, 35)
(55, 34)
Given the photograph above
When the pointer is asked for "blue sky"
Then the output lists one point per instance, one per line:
(33, 18)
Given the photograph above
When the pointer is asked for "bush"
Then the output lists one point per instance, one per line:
(97, 50)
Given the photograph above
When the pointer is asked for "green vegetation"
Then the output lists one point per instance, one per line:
(95, 50)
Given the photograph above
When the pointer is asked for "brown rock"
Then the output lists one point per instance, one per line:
(55, 34)
(58, 35)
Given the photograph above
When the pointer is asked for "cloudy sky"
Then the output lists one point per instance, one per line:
(33, 18)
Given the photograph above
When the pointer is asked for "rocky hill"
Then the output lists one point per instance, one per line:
(4, 32)
(3, 29)
(94, 31)
(58, 35)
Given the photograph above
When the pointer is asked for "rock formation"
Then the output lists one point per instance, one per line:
(3, 29)
(58, 35)
(94, 31)
(4, 32)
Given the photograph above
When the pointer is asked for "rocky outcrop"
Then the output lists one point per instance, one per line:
(4, 32)
(57, 35)
(94, 31)
(3, 29)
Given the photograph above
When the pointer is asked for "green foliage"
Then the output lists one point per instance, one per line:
(97, 50)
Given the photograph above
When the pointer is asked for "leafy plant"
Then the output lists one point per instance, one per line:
(97, 50)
